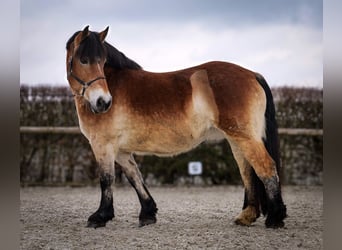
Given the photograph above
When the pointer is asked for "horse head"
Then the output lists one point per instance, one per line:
(86, 56)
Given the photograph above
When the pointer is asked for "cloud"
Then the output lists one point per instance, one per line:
(281, 41)
(285, 54)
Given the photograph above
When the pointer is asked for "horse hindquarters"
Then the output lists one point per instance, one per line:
(258, 160)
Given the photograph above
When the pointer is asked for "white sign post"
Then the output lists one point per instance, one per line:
(195, 168)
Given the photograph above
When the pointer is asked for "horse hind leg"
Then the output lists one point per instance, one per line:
(250, 210)
(257, 156)
(148, 206)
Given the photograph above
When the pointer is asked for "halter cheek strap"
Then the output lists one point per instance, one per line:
(84, 84)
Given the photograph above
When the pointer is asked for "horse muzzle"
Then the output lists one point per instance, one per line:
(101, 105)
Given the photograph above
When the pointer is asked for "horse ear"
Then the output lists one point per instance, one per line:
(103, 34)
(85, 32)
(82, 35)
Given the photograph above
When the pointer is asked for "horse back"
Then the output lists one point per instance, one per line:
(149, 93)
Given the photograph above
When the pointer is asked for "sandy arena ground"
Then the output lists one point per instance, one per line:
(188, 218)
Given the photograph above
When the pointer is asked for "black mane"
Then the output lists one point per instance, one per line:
(91, 48)
(118, 60)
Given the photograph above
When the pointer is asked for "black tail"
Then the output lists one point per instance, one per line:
(271, 141)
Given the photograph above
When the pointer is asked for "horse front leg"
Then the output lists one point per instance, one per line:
(105, 159)
(148, 206)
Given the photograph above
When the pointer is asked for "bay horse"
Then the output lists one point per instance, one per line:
(124, 110)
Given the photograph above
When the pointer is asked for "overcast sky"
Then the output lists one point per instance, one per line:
(280, 39)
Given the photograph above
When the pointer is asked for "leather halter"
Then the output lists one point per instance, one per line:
(84, 84)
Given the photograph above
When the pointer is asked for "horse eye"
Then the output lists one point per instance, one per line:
(98, 60)
(84, 60)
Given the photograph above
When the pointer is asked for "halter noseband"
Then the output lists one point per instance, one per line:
(84, 84)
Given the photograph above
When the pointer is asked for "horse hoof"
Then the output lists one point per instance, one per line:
(147, 221)
(242, 222)
(247, 216)
(93, 224)
(274, 225)
(99, 219)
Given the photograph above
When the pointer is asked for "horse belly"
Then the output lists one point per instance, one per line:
(168, 137)
(164, 139)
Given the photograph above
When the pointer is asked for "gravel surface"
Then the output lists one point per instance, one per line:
(188, 218)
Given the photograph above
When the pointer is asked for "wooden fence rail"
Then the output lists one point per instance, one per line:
(50, 130)
(300, 131)
(76, 130)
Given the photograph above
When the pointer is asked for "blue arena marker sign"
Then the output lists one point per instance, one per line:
(195, 168)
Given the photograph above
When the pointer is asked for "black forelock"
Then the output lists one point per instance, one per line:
(92, 48)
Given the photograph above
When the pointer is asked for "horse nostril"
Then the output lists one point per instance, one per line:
(102, 105)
